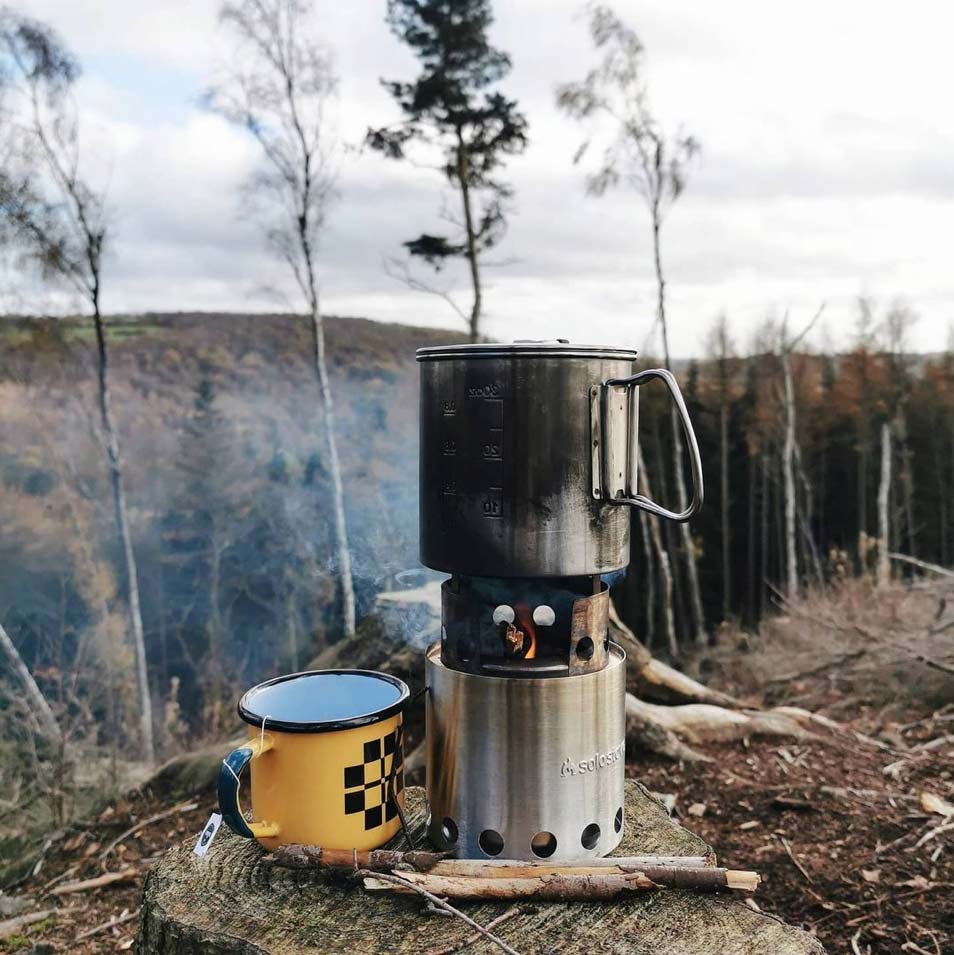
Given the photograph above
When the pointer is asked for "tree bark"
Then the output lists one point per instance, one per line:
(125, 536)
(884, 493)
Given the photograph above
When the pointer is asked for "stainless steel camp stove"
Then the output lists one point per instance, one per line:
(528, 469)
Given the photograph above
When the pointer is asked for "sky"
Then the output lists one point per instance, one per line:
(826, 171)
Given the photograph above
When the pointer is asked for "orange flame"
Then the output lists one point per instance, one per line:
(525, 622)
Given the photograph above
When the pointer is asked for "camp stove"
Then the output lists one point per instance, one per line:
(528, 472)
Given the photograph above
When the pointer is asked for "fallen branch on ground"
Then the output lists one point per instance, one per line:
(106, 926)
(158, 817)
(14, 925)
(658, 675)
(922, 564)
(110, 878)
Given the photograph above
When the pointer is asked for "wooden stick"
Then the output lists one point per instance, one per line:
(493, 923)
(384, 878)
(106, 926)
(110, 878)
(552, 888)
(385, 860)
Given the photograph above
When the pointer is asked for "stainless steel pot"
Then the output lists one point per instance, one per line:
(528, 456)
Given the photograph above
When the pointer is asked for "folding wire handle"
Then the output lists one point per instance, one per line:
(608, 446)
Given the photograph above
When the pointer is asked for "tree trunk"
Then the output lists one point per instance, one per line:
(907, 481)
(125, 536)
(724, 502)
(692, 569)
(341, 525)
(662, 557)
(788, 474)
(249, 907)
(884, 493)
(463, 176)
(39, 708)
(645, 534)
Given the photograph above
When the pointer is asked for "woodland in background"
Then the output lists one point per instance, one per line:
(229, 503)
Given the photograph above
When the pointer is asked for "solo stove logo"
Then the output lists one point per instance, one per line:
(593, 763)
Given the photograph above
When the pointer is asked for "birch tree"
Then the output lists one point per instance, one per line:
(787, 347)
(279, 93)
(643, 156)
(49, 210)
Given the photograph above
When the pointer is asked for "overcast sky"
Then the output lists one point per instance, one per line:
(827, 169)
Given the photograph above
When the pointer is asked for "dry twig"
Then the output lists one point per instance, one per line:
(470, 939)
(106, 926)
(441, 904)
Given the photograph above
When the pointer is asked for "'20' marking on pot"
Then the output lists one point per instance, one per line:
(592, 763)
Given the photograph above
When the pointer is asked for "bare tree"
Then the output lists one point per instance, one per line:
(279, 92)
(49, 209)
(642, 156)
(39, 707)
(787, 347)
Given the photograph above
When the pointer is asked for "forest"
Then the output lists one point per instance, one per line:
(192, 502)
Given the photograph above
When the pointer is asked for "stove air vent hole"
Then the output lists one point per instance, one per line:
(449, 830)
(543, 844)
(584, 648)
(504, 614)
(618, 821)
(543, 616)
(591, 836)
(491, 842)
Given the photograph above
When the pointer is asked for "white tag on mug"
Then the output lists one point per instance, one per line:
(208, 834)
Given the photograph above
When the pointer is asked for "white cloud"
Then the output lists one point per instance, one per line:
(826, 170)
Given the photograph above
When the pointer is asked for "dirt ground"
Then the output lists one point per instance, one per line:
(853, 832)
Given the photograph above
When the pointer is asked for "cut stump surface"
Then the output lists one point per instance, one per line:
(229, 901)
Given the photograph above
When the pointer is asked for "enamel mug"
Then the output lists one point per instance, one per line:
(325, 753)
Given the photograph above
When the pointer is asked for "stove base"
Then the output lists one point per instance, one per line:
(526, 768)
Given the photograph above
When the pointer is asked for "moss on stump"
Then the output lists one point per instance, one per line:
(229, 901)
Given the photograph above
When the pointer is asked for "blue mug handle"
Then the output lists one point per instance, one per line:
(230, 773)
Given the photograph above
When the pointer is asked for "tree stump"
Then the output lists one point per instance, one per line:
(229, 901)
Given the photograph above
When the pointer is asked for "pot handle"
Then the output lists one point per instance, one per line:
(604, 433)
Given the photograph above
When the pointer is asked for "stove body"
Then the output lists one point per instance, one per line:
(528, 472)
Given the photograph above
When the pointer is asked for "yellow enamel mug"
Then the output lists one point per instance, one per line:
(326, 756)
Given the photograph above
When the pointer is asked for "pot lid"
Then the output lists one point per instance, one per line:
(550, 348)
(320, 700)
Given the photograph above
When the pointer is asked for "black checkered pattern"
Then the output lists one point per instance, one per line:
(366, 783)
